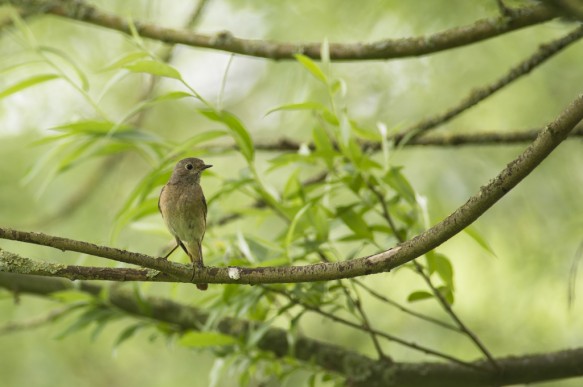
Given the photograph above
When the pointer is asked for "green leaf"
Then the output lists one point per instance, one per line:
(197, 139)
(322, 140)
(419, 295)
(479, 239)
(440, 264)
(28, 82)
(293, 186)
(292, 227)
(237, 129)
(70, 296)
(155, 68)
(170, 96)
(298, 106)
(126, 59)
(88, 127)
(127, 333)
(98, 315)
(447, 293)
(63, 55)
(365, 133)
(396, 180)
(206, 339)
(354, 221)
(312, 67)
(321, 223)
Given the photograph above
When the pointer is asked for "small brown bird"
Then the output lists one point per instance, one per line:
(183, 208)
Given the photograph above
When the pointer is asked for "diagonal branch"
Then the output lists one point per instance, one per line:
(368, 329)
(440, 298)
(489, 194)
(384, 49)
(544, 52)
(403, 309)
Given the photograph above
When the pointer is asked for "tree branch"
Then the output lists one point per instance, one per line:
(476, 96)
(440, 140)
(370, 330)
(403, 309)
(358, 369)
(440, 298)
(385, 49)
(489, 194)
(13, 263)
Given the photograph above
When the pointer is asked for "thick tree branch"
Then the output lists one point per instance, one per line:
(358, 369)
(508, 178)
(13, 263)
(384, 49)
(326, 356)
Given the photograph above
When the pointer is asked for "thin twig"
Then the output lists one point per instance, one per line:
(441, 299)
(404, 309)
(448, 309)
(369, 330)
(357, 303)
(544, 52)
(33, 323)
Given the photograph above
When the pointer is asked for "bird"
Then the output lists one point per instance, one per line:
(183, 208)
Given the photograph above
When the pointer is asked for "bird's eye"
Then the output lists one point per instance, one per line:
(189, 166)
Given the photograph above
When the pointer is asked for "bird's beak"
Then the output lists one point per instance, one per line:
(206, 167)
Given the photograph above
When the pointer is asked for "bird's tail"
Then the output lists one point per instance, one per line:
(195, 254)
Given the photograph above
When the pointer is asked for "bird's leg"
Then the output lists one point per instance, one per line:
(174, 248)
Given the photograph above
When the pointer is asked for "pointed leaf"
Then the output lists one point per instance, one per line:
(29, 82)
(237, 129)
(298, 106)
(419, 295)
(206, 339)
(312, 67)
(155, 68)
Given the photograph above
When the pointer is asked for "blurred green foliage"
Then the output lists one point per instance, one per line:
(80, 108)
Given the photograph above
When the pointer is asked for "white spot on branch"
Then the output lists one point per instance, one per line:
(234, 273)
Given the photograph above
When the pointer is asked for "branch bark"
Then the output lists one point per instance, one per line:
(508, 178)
(384, 49)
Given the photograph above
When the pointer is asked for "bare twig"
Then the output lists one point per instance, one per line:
(439, 140)
(369, 330)
(406, 310)
(384, 49)
(33, 323)
(544, 52)
(448, 309)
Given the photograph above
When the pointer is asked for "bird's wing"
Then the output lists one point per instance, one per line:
(160, 198)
